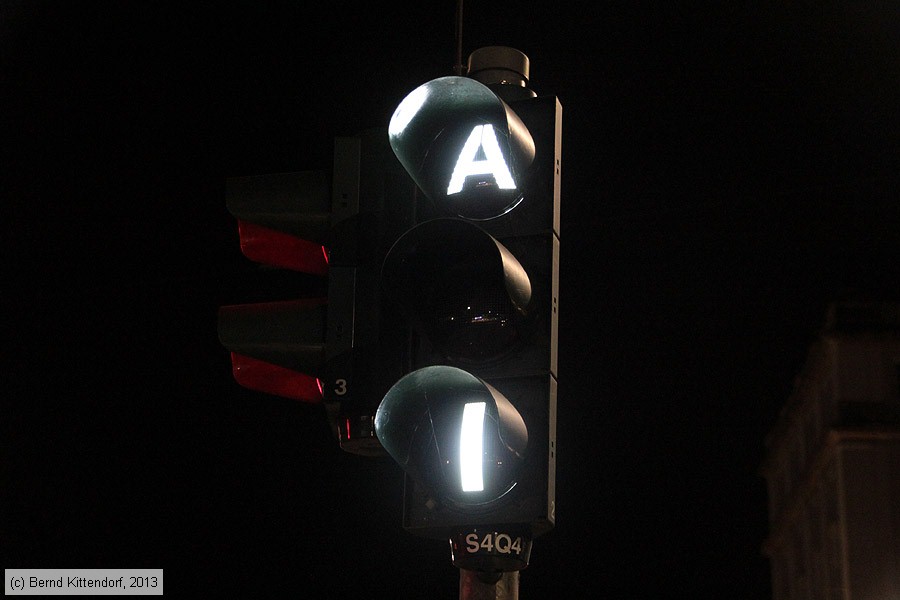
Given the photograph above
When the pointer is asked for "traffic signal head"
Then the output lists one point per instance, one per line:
(475, 283)
(283, 221)
(330, 348)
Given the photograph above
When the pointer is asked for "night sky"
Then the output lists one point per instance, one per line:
(726, 171)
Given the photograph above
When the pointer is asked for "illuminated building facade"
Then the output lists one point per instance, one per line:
(832, 465)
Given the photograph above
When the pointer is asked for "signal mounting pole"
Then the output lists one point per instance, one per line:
(472, 586)
(458, 68)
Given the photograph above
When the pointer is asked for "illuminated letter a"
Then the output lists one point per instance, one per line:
(482, 136)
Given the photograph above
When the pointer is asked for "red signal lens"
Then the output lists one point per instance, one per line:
(273, 247)
(265, 377)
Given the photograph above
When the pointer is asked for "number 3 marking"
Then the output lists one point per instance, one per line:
(341, 387)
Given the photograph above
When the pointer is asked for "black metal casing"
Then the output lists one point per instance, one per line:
(527, 373)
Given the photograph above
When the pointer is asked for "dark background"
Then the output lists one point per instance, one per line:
(726, 171)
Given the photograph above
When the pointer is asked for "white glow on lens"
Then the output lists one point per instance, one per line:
(471, 438)
(407, 110)
(482, 136)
